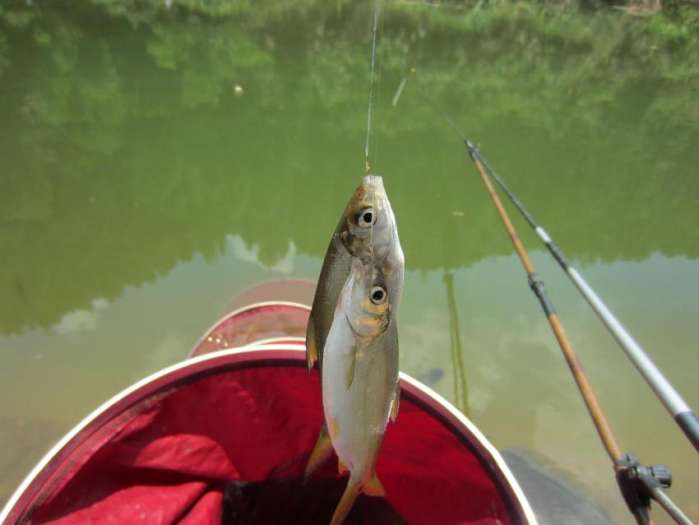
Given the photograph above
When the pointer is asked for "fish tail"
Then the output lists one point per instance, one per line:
(372, 487)
(352, 491)
(321, 452)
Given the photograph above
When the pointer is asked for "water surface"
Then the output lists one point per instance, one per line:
(140, 191)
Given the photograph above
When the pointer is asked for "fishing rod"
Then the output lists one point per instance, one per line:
(678, 408)
(537, 286)
(680, 411)
(638, 484)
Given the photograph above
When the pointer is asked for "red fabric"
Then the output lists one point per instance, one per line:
(171, 459)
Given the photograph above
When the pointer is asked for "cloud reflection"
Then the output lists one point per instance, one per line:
(79, 321)
(284, 265)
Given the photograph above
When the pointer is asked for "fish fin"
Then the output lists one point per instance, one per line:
(395, 404)
(311, 345)
(321, 452)
(374, 487)
(341, 467)
(333, 427)
(349, 378)
(343, 508)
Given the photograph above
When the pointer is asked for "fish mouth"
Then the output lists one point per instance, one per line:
(375, 181)
(351, 327)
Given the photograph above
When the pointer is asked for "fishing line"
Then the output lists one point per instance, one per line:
(371, 86)
(426, 100)
(374, 78)
(455, 347)
(377, 97)
(399, 91)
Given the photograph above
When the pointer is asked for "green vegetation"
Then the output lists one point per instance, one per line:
(126, 149)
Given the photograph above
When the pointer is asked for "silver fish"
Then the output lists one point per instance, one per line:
(366, 231)
(359, 378)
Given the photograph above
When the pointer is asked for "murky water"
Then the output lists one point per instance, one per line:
(154, 162)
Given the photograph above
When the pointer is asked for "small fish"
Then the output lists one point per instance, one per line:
(367, 233)
(359, 377)
(366, 230)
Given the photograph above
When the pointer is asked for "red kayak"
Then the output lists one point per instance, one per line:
(224, 437)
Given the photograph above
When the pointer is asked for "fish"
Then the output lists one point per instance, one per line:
(359, 377)
(366, 231)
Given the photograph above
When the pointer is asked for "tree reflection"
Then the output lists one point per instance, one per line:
(125, 148)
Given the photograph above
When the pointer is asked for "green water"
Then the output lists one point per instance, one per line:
(139, 192)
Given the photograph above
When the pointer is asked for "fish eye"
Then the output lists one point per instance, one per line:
(366, 217)
(378, 294)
